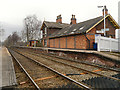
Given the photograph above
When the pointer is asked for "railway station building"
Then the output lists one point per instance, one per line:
(77, 35)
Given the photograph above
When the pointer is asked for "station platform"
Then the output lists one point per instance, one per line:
(103, 54)
(109, 55)
(7, 73)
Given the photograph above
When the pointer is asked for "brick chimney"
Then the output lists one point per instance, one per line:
(73, 19)
(106, 11)
(59, 19)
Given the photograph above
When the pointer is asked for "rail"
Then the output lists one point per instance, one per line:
(60, 74)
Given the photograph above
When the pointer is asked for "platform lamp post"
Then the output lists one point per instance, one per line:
(1, 35)
(104, 7)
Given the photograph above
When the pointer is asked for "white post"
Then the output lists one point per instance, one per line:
(98, 47)
(104, 21)
(110, 45)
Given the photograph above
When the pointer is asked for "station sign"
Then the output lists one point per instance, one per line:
(102, 30)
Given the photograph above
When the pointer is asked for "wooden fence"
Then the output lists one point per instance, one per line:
(107, 44)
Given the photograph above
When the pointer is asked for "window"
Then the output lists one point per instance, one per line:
(45, 31)
(74, 30)
(45, 42)
(41, 34)
(81, 28)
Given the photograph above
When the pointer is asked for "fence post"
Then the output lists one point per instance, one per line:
(98, 46)
(110, 44)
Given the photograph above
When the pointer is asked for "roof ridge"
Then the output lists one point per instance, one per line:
(90, 19)
(55, 22)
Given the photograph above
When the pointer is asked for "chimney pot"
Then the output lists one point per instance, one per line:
(59, 19)
(106, 11)
(73, 19)
(72, 15)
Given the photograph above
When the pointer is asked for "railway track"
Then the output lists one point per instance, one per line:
(43, 76)
(72, 74)
(85, 63)
(21, 76)
(75, 60)
(53, 58)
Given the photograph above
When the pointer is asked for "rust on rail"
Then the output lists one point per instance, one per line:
(44, 78)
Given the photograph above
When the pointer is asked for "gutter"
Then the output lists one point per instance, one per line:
(87, 40)
(65, 35)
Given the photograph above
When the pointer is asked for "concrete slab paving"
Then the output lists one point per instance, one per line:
(7, 69)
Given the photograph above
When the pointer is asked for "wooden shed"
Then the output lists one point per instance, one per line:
(33, 43)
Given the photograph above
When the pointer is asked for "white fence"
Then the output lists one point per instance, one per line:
(107, 44)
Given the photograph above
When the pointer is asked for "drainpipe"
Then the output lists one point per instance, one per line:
(87, 40)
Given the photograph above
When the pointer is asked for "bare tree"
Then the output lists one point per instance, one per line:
(23, 36)
(12, 39)
(15, 38)
(32, 27)
(8, 41)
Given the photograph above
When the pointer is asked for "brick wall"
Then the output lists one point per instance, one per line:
(78, 42)
(81, 42)
(51, 42)
(63, 42)
(108, 25)
(48, 43)
(57, 42)
(70, 42)
(91, 36)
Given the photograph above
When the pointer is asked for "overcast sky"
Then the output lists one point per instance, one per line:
(12, 12)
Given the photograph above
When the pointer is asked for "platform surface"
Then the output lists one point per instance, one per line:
(108, 55)
(7, 73)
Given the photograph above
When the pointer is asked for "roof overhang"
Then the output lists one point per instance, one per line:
(42, 26)
(114, 22)
(33, 40)
(45, 25)
(111, 20)
(66, 35)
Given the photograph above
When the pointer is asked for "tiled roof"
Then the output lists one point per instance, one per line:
(81, 27)
(55, 25)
